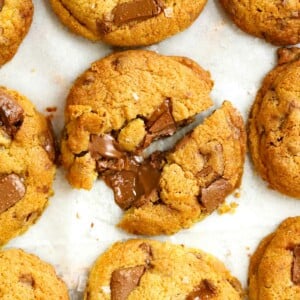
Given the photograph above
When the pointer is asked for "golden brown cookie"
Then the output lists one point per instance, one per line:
(278, 22)
(127, 22)
(274, 125)
(145, 269)
(274, 271)
(24, 276)
(26, 164)
(126, 101)
(15, 21)
(195, 177)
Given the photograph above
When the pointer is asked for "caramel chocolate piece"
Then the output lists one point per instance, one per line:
(104, 146)
(205, 290)
(12, 190)
(137, 10)
(161, 123)
(1, 4)
(296, 265)
(134, 182)
(27, 279)
(213, 195)
(11, 114)
(124, 281)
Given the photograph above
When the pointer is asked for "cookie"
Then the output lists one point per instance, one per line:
(146, 269)
(274, 271)
(24, 276)
(130, 22)
(278, 22)
(15, 21)
(119, 107)
(274, 125)
(27, 168)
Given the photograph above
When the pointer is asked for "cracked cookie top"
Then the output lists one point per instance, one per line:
(15, 20)
(276, 21)
(119, 107)
(27, 168)
(274, 125)
(146, 269)
(274, 271)
(25, 276)
(127, 22)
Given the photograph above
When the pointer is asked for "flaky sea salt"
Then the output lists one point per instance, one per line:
(135, 96)
(105, 289)
(169, 12)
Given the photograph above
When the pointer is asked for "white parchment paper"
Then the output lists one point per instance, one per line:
(48, 62)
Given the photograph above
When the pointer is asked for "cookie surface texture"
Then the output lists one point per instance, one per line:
(15, 21)
(27, 168)
(277, 21)
(274, 125)
(25, 276)
(145, 269)
(274, 271)
(127, 23)
(125, 102)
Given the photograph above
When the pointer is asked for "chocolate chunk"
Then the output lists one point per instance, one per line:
(205, 290)
(126, 188)
(133, 182)
(1, 4)
(137, 10)
(124, 281)
(161, 123)
(12, 190)
(296, 266)
(213, 195)
(104, 146)
(11, 114)
(27, 279)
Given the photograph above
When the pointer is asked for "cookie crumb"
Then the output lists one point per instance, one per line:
(227, 208)
(51, 109)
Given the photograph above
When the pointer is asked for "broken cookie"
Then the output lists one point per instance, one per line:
(130, 22)
(127, 271)
(108, 128)
(27, 155)
(25, 276)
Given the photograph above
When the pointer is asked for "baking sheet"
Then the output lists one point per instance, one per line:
(47, 63)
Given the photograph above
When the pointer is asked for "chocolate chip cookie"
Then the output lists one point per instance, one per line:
(27, 168)
(127, 22)
(119, 107)
(278, 22)
(145, 269)
(24, 276)
(274, 125)
(15, 21)
(274, 271)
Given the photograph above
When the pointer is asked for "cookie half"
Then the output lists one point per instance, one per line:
(25, 276)
(119, 107)
(27, 167)
(278, 22)
(274, 271)
(15, 21)
(145, 269)
(274, 125)
(127, 23)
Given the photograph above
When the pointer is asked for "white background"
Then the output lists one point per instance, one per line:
(48, 62)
